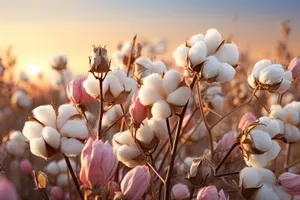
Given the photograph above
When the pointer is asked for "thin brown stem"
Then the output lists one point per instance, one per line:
(169, 132)
(108, 128)
(262, 104)
(130, 55)
(288, 152)
(192, 193)
(225, 157)
(156, 172)
(100, 107)
(153, 190)
(73, 176)
(214, 112)
(69, 184)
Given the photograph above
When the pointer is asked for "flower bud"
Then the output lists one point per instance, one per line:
(99, 163)
(99, 60)
(26, 166)
(291, 182)
(138, 111)
(7, 190)
(201, 171)
(210, 192)
(135, 183)
(77, 93)
(180, 192)
(57, 193)
(246, 119)
(295, 67)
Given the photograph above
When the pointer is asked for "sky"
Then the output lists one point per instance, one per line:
(38, 29)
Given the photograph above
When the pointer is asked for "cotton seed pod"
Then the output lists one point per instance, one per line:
(99, 61)
(201, 172)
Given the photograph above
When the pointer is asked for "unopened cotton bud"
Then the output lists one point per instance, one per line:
(77, 93)
(26, 166)
(295, 67)
(99, 60)
(201, 171)
(180, 192)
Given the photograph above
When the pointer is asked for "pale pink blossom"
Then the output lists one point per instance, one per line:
(295, 67)
(26, 166)
(77, 93)
(211, 193)
(7, 190)
(246, 119)
(224, 145)
(135, 183)
(180, 192)
(291, 182)
(98, 163)
(57, 193)
(137, 110)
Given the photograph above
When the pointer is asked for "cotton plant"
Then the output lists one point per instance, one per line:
(117, 87)
(131, 147)
(290, 117)
(50, 132)
(163, 94)
(208, 55)
(260, 183)
(270, 76)
(15, 144)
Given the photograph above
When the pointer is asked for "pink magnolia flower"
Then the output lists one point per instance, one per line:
(135, 183)
(224, 145)
(180, 192)
(7, 190)
(98, 163)
(210, 193)
(77, 93)
(57, 193)
(138, 111)
(295, 67)
(26, 166)
(291, 182)
(246, 119)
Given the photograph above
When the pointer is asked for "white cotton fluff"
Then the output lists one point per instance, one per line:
(91, 85)
(144, 135)
(196, 38)
(180, 96)
(120, 74)
(145, 62)
(266, 176)
(62, 180)
(228, 53)
(126, 154)
(71, 147)
(199, 132)
(13, 147)
(214, 90)
(113, 84)
(117, 58)
(292, 116)
(292, 133)
(51, 137)
(218, 103)
(212, 39)
(261, 139)
(171, 81)
(32, 130)
(148, 96)
(277, 112)
(226, 72)
(62, 166)
(273, 151)
(271, 74)
(45, 114)
(250, 177)
(159, 67)
(281, 192)
(65, 111)
(155, 82)
(197, 53)
(17, 135)
(124, 138)
(294, 105)
(159, 127)
(75, 128)
(161, 110)
(180, 55)
(52, 168)
(260, 65)
(251, 81)
(266, 192)
(211, 67)
(126, 48)
(256, 160)
(38, 147)
(284, 86)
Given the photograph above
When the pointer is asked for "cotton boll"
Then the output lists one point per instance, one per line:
(159, 67)
(214, 90)
(127, 154)
(144, 135)
(261, 139)
(120, 74)
(65, 111)
(45, 114)
(161, 110)
(258, 160)
(211, 67)
(271, 74)
(266, 192)
(277, 112)
(251, 81)
(38, 147)
(274, 151)
(228, 53)
(292, 133)
(71, 147)
(196, 38)
(148, 96)
(62, 180)
(292, 116)
(199, 132)
(18, 136)
(113, 84)
(180, 54)
(180, 96)
(226, 72)
(171, 81)
(218, 103)
(284, 86)
(52, 168)
(250, 177)
(91, 85)
(145, 62)
(51, 136)
(281, 193)
(293, 105)
(130, 85)
(155, 82)
(266, 176)
(75, 128)
(260, 65)
(126, 48)
(123, 138)
(32, 130)
(288, 75)
(212, 39)
(273, 128)
(197, 53)
(159, 127)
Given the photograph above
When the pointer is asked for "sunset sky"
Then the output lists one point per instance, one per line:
(37, 29)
